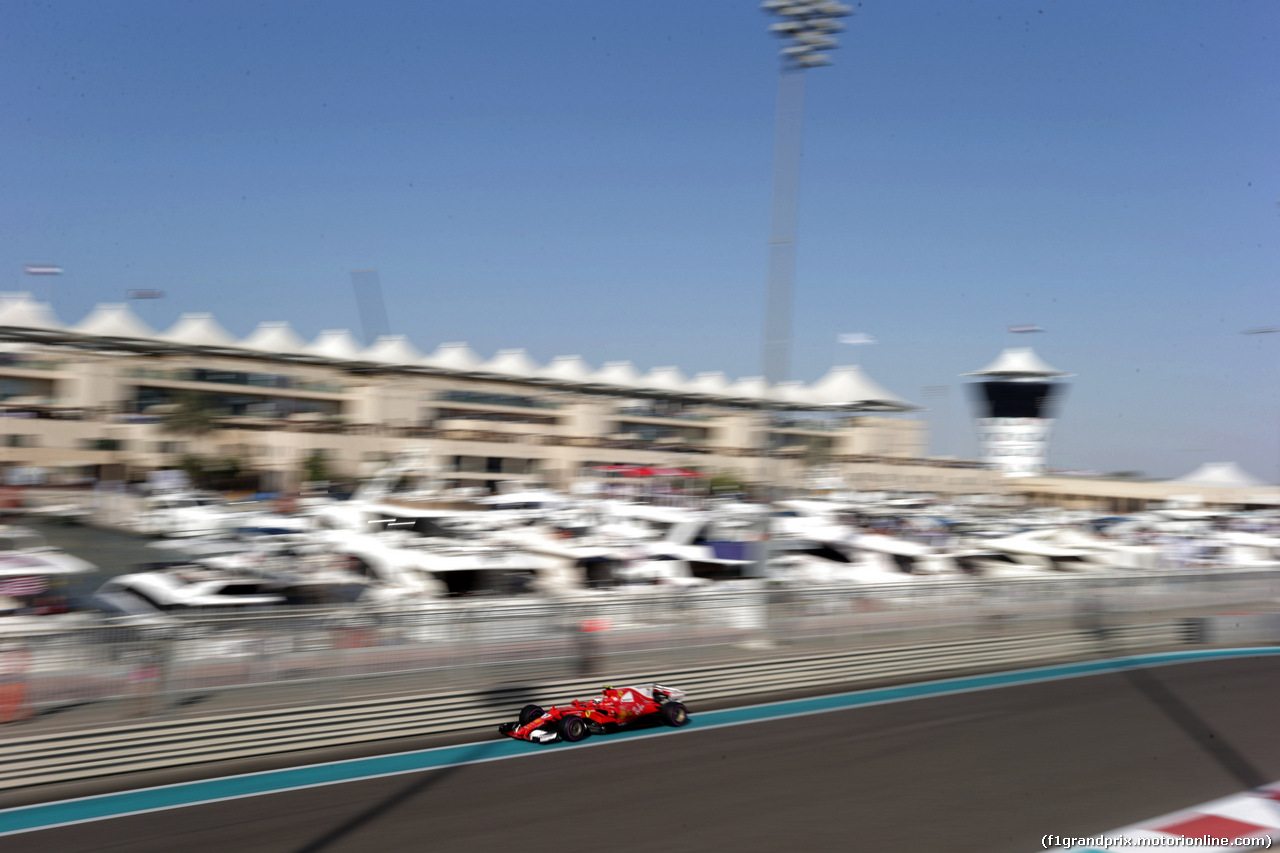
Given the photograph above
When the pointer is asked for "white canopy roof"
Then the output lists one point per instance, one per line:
(1221, 474)
(392, 349)
(1018, 362)
(665, 379)
(616, 374)
(198, 330)
(791, 391)
(567, 368)
(848, 387)
(750, 388)
(337, 344)
(19, 310)
(511, 362)
(275, 336)
(114, 320)
(712, 383)
(454, 356)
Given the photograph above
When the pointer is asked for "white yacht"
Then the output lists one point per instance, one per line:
(1037, 549)
(31, 568)
(680, 546)
(297, 566)
(180, 514)
(186, 587)
(438, 552)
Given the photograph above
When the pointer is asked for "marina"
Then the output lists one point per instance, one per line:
(403, 537)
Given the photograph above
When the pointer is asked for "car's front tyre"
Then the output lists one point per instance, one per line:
(529, 713)
(573, 729)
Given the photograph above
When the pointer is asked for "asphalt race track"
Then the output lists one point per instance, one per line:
(992, 770)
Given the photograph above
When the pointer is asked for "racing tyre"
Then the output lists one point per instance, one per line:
(674, 714)
(529, 713)
(573, 729)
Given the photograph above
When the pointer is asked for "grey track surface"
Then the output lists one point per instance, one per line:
(986, 771)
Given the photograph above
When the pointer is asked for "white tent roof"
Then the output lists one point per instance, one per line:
(792, 391)
(198, 330)
(1018, 361)
(392, 349)
(338, 344)
(454, 356)
(1221, 474)
(275, 336)
(616, 374)
(665, 379)
(567, 368)
(711, 383)
(114, 320)
(511, 362)
(19, 310)
(750, 388)
(849, 388)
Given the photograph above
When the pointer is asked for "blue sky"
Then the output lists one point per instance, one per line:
(594, 178)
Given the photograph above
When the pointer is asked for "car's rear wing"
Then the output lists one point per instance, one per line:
(670, 692)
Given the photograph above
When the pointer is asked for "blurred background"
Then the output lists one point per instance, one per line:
(953, 345)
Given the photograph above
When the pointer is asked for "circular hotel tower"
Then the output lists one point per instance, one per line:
(1016, 400)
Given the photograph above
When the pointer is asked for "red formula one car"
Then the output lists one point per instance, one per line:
(613, 709)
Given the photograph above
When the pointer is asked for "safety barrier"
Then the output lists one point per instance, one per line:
(210, 663)
(68, 756)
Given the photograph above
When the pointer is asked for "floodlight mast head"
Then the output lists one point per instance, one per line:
(807, 26)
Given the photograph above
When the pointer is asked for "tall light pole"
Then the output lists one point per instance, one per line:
(806, 26)
(373, 309)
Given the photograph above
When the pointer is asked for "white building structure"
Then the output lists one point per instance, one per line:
(96, 400)
(1016, 400)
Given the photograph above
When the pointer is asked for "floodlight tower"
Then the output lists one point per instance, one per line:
(806, 26)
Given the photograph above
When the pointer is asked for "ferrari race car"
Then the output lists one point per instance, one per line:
(613, 709)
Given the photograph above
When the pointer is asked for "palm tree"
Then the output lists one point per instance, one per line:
(191, 415)
(316, 467)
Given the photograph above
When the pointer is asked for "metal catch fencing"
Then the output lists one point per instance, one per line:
(139, 745)
(99, 674)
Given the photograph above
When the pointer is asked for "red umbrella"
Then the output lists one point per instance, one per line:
(641, 472)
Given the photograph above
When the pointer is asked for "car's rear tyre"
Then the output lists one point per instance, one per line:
(529, 713)
(674, 714)
(573, 729)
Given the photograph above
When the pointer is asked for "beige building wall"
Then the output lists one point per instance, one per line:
(87, 417)
(1135, 495)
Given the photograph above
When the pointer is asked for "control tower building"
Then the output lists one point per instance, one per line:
(1016, 400)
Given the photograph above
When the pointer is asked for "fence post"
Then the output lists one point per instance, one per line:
(589, 631)
(166, 658)
(144, 681)
(15, 673)
(777, 606)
